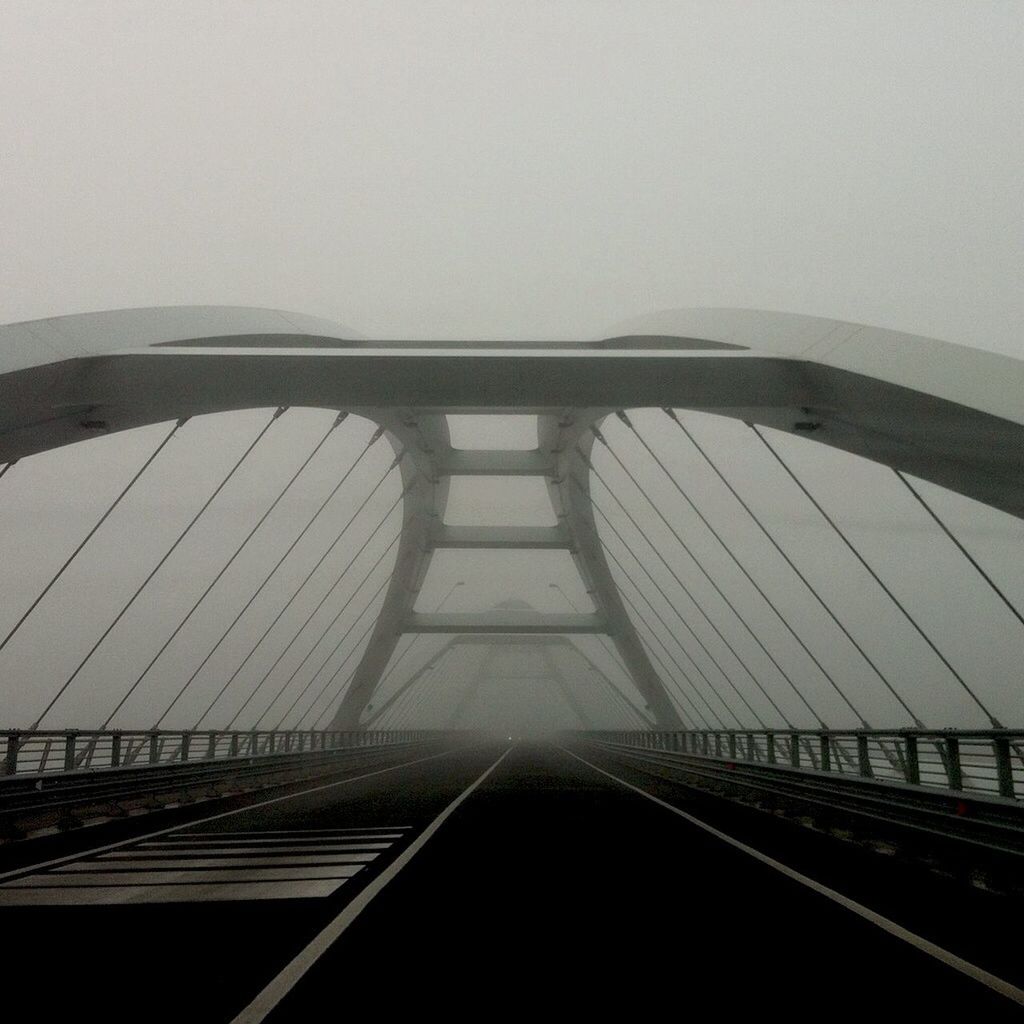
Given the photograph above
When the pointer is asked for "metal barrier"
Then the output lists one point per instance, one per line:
(50, 751)
(979, 762)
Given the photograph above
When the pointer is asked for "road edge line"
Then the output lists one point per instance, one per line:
(973, 971)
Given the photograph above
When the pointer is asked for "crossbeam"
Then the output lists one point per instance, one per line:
(507, 538)
(511, 620)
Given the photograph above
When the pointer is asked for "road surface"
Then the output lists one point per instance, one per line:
(486, 880)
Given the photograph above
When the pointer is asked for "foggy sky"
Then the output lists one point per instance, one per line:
(536, 170)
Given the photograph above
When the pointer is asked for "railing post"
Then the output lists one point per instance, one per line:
(1004, 766)
(751, 747)
(913, 769)
(954, 772)
(11, 757)
(186, 743)
(718, 744)
(69, 750)
(211, 746)
(864, 755)
(115, 750)
(154, 748)
(233, 748)
(826, 752)
(732, 746)
(770, 748)
(794, 750)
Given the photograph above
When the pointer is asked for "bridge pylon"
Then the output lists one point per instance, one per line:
(422, 441)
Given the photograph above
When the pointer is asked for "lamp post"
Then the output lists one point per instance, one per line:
(454, 587)
(565, 597)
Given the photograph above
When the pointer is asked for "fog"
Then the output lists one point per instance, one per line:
(498, 171)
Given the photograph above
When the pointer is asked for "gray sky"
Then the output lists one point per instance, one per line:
(506, 171)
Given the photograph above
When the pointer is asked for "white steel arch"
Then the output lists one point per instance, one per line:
(944, 413)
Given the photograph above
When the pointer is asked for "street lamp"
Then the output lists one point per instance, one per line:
(454, 587)
(565, 596)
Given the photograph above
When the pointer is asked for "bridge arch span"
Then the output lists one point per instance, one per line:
(946, 414)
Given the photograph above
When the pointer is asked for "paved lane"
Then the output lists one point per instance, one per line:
(148, 927)
(554, 889)
(546, 887)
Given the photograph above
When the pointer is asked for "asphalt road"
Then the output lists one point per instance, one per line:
(550, 888)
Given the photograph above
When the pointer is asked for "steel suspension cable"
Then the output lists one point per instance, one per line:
(960, 547)
(227, 565)
(298, 590)
(675, 611)
(693, 600)
(799, 574)
(413, 641)
(472, 687)
(417, 697)
(661, 643)
(323, 635)
(348, 657)
(676, 685)
(614, 655)
(428, 666)
(377, 435)
(106, 515)
(618, 707)
(614, 700)
(339, 696)
(739, 565)
(668, 629)
(323, 600)
(348, 632)
(170, 551)
(667, 674)
(627, 704)
(10, 465)
(601, 639)
(329, 707)
(874, 575)
(607, 704)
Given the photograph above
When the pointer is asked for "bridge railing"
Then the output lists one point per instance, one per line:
(49, 751)
(989, 762)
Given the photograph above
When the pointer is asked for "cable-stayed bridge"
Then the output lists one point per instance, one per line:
(663, 551)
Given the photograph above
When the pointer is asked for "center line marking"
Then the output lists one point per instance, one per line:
(279, 987)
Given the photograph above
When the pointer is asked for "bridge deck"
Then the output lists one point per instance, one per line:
(552, 886)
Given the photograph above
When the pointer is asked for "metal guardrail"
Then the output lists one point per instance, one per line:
(50, 751)
(976, 762)
(107, 778)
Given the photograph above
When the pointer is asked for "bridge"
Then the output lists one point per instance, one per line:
(511, 661)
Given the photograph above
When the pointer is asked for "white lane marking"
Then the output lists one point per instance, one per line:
(16, 872)
(281, 985)
(152, 864)
(297, 837)
(103, 895)
(126, 869)
(159, 850)
(979, 974)
(54, 879)
(160, 871)
(316, 833)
